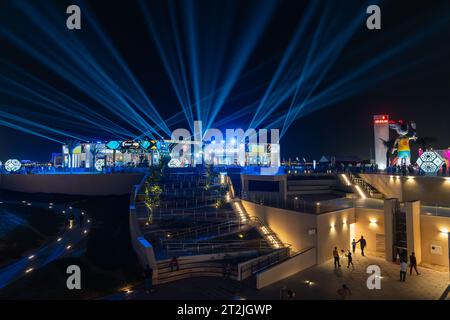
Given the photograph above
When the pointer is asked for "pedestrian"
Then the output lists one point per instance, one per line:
(283, 292)
(174, 263)
(353, 246)
(71, 220)
(362, 243)
(403, 267)
(350, 259)
(413, 264)
(344, 292)
(227, 270)
(336, 258)
(148, 279)
(290, 294)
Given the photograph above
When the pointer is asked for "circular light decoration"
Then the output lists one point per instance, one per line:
(430, 162)
(174, 163)
(99, 164)
(12, 165)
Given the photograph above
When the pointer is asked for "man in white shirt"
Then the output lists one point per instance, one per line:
(403, 268)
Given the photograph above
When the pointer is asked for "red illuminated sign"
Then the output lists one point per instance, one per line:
(381, 119)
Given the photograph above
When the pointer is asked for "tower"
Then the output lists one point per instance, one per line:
(381, 132)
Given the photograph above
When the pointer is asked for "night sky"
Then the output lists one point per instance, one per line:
(413, 83)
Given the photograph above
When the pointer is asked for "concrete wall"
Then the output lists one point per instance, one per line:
(269, 196)
(413, 229)
(369, 223)
(429, 190)
(333, 230)
(287, 268)
(431, 234)
(389, 186)
(290, 226)
(77, 184)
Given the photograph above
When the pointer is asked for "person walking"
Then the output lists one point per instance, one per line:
(227, 271)
(350, 259)
(336, 258)
(290, 294)
(403, 267)
(362, 243)
(71, 220)
(148, 279)
(174, 264)
(283, 292)
(344, 292)
(353, 246)
(413, 264)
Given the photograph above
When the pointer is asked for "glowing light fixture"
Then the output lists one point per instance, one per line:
(12, 165)
(99, 164)
(430, 162)
(360, 192)
(174, 163)
(347, 182)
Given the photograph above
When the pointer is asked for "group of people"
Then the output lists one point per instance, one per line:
(337, 264)
(404, 266)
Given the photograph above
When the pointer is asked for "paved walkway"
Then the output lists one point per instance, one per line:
(62, 245)
(319, 282)
(323, 281)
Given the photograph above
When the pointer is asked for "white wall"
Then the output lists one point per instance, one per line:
(286, 268)
(290, 226)
(333, 230)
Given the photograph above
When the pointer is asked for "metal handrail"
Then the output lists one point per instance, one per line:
(200, 230)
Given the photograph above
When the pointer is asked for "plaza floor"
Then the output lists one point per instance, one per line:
(323, 282)
(318, 282)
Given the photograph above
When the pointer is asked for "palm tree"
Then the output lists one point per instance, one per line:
(425, 142)
(153, 190)
(389, 144)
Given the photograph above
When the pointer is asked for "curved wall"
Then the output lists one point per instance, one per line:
(74, 184)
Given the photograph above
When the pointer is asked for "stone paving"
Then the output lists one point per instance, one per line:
(325, 280)
(319, 282)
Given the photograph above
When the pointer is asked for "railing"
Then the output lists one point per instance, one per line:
(215, 246)
(446, 294)
(249, 268)
(210, 229)
(196, 215)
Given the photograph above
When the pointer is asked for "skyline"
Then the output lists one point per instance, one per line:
(399, 70)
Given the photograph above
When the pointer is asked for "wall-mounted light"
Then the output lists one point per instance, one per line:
(444, 231)
(373, 221)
